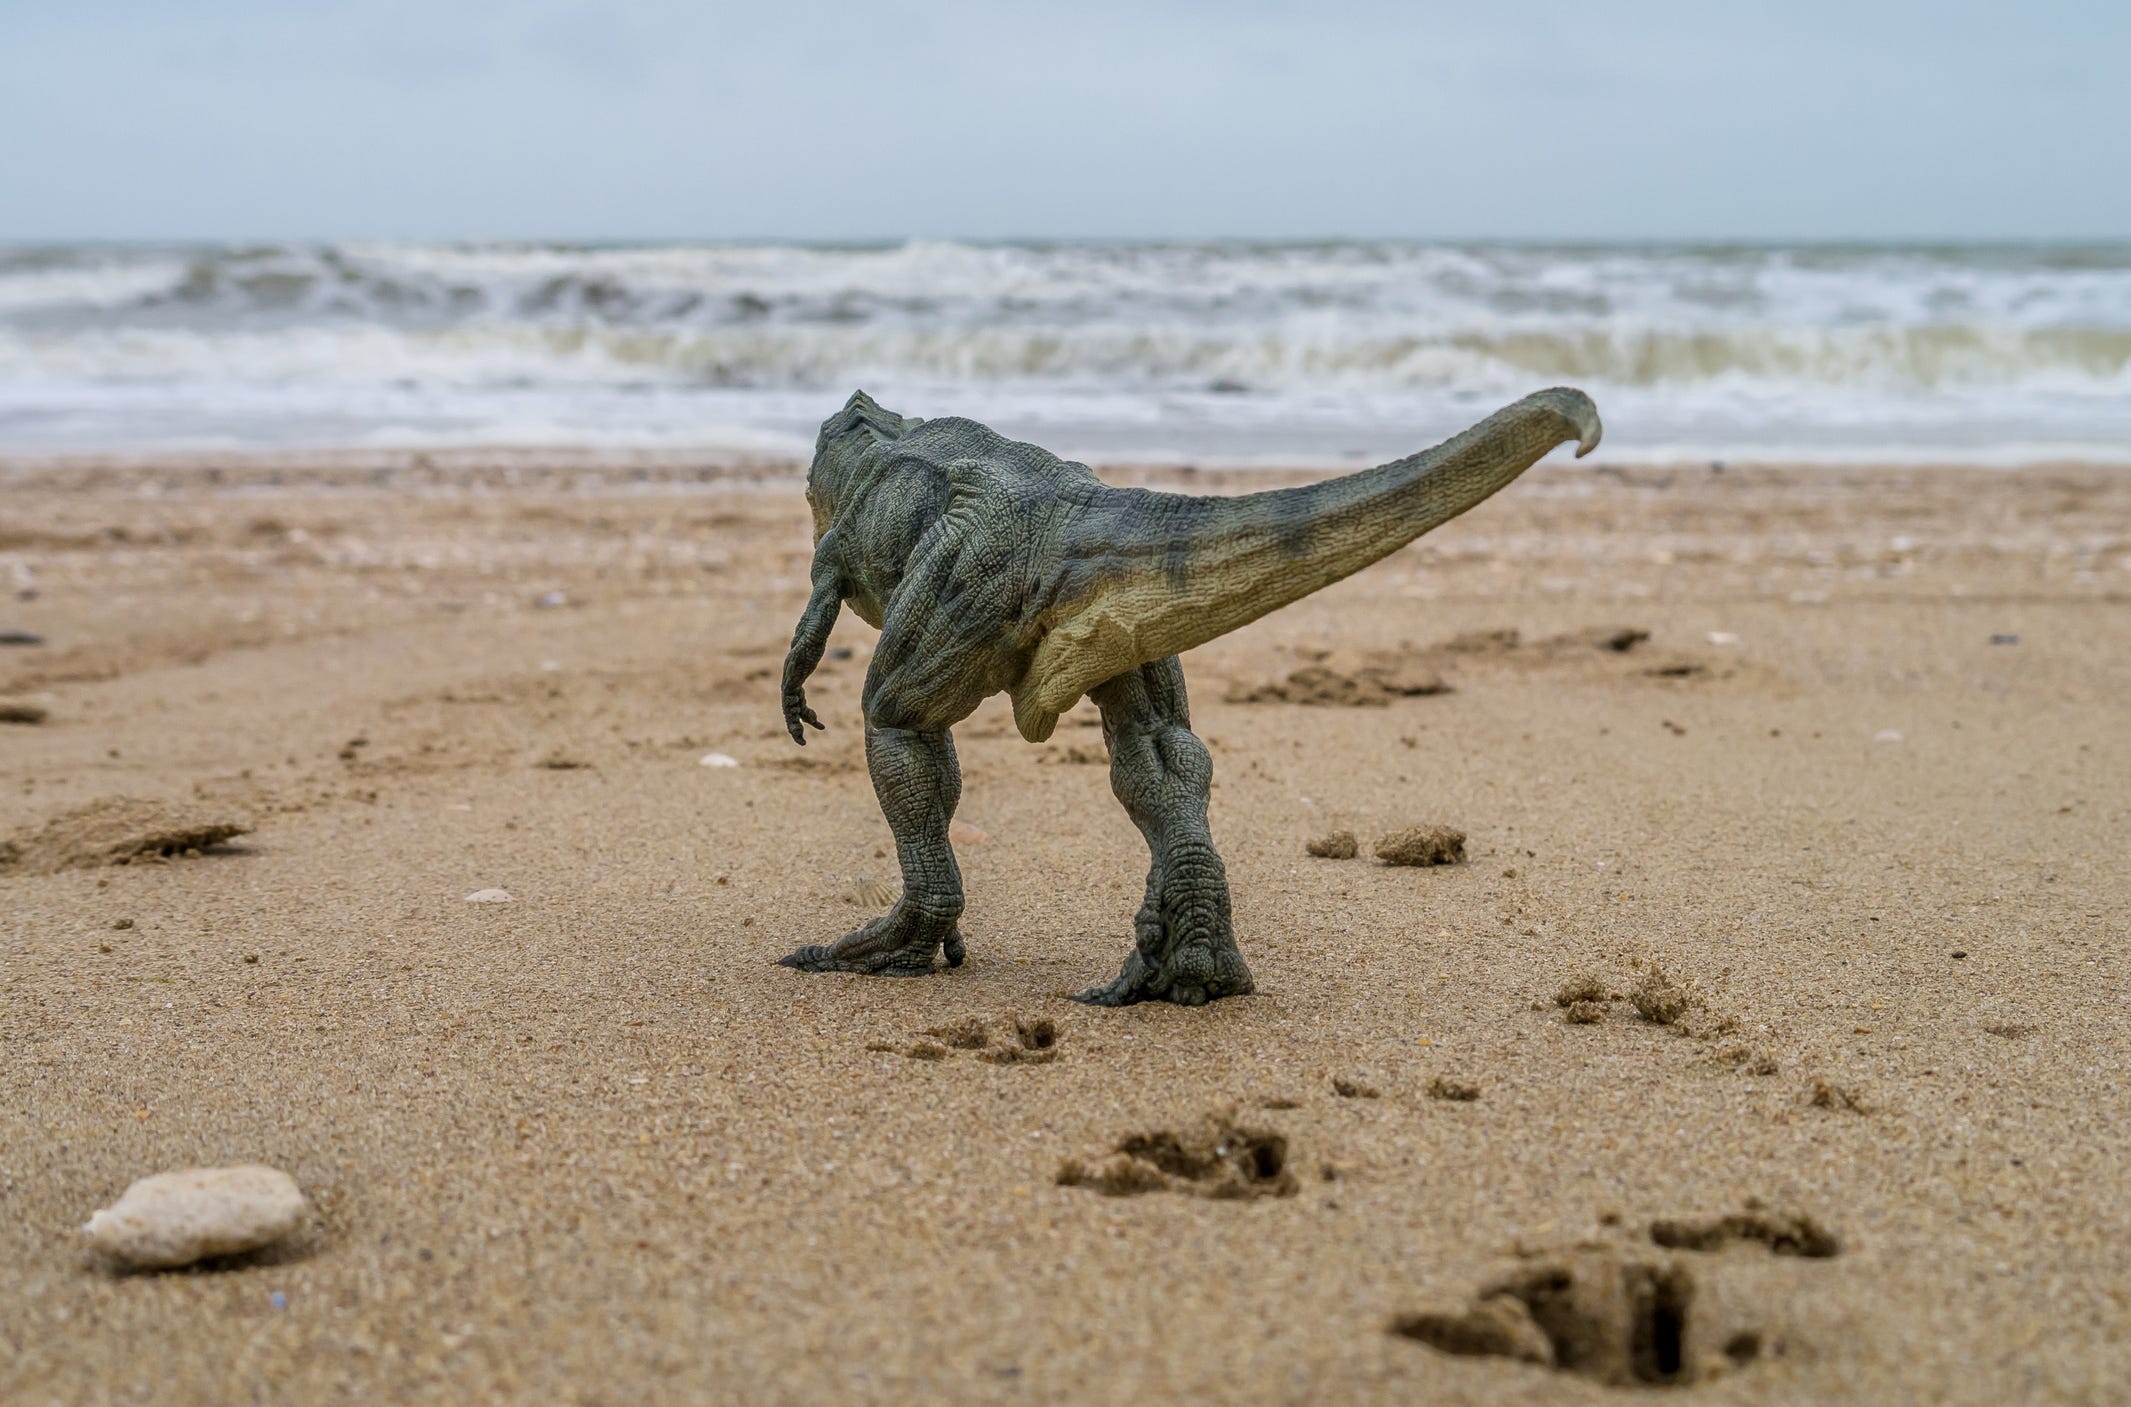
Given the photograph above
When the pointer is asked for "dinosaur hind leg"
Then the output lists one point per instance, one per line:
(919, 782)
(1185, 950)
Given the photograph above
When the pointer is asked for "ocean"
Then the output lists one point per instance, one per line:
(1217, 353)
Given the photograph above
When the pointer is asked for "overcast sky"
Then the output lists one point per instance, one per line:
(856, 119)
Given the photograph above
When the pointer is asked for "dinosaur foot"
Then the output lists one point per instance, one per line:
(900, 943)
(1193, 974)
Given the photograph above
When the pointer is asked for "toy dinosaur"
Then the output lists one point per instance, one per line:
(991, 566)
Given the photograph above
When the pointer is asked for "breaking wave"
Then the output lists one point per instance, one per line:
(1227, 350)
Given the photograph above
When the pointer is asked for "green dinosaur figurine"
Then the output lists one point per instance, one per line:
(991, 566)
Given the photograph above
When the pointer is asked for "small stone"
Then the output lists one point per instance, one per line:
(491, 896)
(122, 923)
(176, 1218)
(1423, 845)
(2004, 639)
(1723, 637)
(20, 637)
(13, 711)
(1339, 845)
(719, 759)
(548, 601)
(1456, 1091)
(1887, 735)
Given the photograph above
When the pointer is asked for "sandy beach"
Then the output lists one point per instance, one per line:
(1853, 815)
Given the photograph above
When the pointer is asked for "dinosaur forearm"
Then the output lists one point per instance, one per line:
(809, 640)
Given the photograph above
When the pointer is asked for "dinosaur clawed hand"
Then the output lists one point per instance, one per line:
(796, 713)
(900, 943)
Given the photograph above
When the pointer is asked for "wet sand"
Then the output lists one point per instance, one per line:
(595, 1146)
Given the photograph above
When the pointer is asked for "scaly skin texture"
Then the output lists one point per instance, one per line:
(991, 567)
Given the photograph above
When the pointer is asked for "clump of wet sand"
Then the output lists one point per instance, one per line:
(1583, 987)
(1422, 845)
(118, 830)
(1658, 999)
(1337, 845)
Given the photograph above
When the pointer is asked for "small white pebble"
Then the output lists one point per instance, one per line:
(720, 759)
(1887, 735)
(176, 1218)
(1723, 637)
(491, 896)
(551, 665)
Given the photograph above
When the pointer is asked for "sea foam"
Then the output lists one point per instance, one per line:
(1322, 352)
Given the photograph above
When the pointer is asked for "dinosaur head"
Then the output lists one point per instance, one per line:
(849, 441)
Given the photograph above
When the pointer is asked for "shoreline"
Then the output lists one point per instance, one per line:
(534, 468)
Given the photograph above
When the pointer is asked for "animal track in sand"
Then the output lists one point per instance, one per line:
(1215, 1158)
(1011, 1040)
(1783, 1233)
(1590, 642)
(1621, 1320)
(1619, 1316)
(1330, 680)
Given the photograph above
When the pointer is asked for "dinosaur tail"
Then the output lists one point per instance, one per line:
(1175, 572)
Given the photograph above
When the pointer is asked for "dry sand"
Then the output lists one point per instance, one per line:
(595, 1146)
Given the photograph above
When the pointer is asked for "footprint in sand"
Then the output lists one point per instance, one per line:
(1620, 1316)
(1215, 1158)
(1009, 1040)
